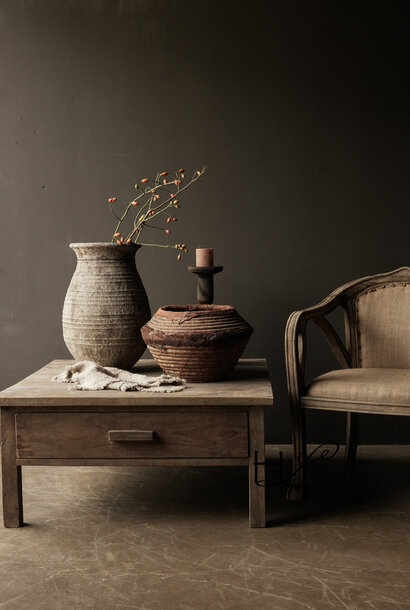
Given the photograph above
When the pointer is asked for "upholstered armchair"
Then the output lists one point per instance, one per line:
(374, 357)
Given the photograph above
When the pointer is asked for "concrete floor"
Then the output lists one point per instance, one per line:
(178, 539)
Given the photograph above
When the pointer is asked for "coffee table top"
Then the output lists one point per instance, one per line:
(248, 385)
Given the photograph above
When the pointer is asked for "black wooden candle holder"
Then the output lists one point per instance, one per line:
(205, 285)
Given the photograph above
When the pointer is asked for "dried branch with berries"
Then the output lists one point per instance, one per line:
(158, 196)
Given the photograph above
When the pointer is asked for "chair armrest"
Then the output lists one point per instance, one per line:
(295, 341)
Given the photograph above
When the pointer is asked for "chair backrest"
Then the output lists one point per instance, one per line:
(380, 320)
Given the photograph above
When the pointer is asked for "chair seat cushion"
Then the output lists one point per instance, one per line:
(379, 386)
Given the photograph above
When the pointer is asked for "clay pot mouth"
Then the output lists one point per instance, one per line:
(168, 310)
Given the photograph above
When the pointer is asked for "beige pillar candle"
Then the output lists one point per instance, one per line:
(204, 257)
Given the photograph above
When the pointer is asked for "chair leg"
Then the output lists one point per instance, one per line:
(352, 436)
(296, 490)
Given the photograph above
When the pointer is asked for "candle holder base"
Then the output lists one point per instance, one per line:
(205, 285)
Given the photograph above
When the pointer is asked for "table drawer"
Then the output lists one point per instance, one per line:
(129, 435)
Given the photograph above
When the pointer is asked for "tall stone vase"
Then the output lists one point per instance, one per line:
(105, 305)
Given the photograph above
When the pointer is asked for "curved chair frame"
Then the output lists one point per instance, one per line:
(348, 356)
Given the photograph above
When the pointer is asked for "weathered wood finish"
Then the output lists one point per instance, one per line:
(85, 435)
(213, 424)
(352, 434)
(205, 283)
(11, 473)
(347, 354)
(248, 384)
(328, 404)
(134, 462)
(257, 505)
(120, 436)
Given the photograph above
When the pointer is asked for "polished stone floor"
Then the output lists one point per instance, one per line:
(178, 539)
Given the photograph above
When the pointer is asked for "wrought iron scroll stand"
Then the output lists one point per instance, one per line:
(314, 456)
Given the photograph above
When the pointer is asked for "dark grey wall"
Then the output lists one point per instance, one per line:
(299, 108)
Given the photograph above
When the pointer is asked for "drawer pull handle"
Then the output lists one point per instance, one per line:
(130, 435)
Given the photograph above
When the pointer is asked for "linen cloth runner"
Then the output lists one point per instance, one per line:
(88, 375)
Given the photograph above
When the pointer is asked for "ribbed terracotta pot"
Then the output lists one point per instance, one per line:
(105, 305)
(197, 342)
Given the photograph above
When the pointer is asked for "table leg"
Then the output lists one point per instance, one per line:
(257, 516)
(11, 473)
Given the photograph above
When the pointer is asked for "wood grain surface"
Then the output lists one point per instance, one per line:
(220, 423)
(248, 384)
(85, 435)
(11, 473)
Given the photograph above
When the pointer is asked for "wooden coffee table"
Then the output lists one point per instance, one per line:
(44, 423)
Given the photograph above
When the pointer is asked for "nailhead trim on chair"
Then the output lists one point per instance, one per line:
(356, 310)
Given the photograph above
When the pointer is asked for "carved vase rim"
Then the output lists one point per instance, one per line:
(99, 251)
(98, 244)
